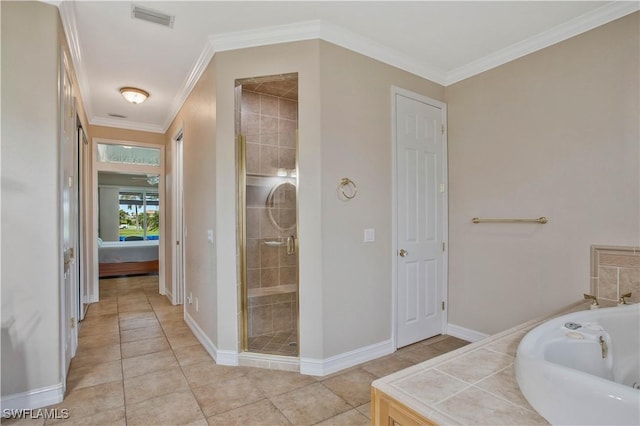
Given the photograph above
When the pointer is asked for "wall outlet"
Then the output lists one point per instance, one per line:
(369, 235)
(210, 235)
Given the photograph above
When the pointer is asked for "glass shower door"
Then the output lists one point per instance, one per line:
(266, 122)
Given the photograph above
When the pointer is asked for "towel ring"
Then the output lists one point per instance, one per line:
(348, 188)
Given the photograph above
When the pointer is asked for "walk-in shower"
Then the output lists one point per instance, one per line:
(266, 129)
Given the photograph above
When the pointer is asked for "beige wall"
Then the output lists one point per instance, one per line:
(31, 259)
(345, 130)
(125, 135)
(356, 143)
(198, 121)
(554, 133)
(108, 216)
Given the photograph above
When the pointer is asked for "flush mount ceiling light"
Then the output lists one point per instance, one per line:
(134, 95)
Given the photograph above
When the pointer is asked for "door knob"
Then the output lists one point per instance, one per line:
(403, 253)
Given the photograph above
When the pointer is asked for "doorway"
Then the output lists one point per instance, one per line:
(421, 216)
(266, 128)
(127, 212)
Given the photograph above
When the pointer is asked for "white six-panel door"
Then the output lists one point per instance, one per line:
(420, 157)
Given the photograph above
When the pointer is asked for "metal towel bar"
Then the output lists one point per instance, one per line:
(541, 220)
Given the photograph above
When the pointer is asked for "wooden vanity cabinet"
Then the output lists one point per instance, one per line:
(386, 411)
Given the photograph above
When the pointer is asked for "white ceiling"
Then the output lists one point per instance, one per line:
(442, 41)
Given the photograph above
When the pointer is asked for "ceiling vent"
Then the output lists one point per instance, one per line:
(149, 15)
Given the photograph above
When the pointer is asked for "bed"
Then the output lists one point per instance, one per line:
(127, 258)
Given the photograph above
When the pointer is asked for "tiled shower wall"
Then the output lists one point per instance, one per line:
(269, 125)
(615, 271)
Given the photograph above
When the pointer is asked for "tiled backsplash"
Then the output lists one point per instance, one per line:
(615, 271)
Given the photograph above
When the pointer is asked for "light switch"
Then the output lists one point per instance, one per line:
(369, 235)
(210, 235)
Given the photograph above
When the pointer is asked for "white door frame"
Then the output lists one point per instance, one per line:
(177, 219)
(68, 293)
(394, 209)
(83, 175)
(133, 169)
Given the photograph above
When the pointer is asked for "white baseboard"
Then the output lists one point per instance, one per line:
(465, 333)
(271, 362)
(220, 356)
(36, 398)
(322, 367)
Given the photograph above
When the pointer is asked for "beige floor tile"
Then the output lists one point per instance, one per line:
(23, 422)
(94, 329)
(349, 418)
(176, 328)
(91, 356)
(219, 397)
(96, 374)
(136, 308)
(132, 300)
(353, 386)
(141, 388)
(88, 401)
(101, 308)
(97, 340)
(259, 413)
(191, 355)
(158, 301)
(95, 322)
(183, 339)
(207, 373)
(170, 409)
(111, 417)
(274, 382)
(151, 332)
(132, 324)
(365, 410)
(310, 405)
(143, 347)
(144, 364)
(449, 344)
(126, 316)
(169, 378)
(386, 365)
(420, 354)
(165, 315)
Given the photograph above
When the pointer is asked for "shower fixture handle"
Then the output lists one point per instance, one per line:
(291, 245)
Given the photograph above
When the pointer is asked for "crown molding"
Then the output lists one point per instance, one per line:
(572, 28)
(68, 18)
(380, 52)
(125, 124)
(264, 36)
(199, 66)
(318, 29)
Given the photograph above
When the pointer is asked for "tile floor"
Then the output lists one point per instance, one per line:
(283, 343)
(139, 364)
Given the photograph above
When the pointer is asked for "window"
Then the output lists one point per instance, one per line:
(125, 154)
(139, 214)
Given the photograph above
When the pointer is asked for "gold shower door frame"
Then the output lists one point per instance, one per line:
(241, 149)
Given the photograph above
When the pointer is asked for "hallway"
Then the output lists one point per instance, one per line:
(138, 363)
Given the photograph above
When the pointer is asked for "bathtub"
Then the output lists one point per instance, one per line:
(583, 368)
